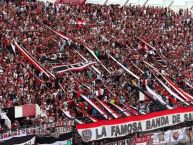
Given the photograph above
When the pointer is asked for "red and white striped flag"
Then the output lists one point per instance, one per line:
(99, 92)
(142, 97)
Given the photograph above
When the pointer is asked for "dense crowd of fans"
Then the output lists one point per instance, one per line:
(106, 30)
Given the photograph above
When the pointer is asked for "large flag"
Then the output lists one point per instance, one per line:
(108, 108)
(73, 67)
(32, 60)
(171, 92)
(185, 95)
(121, 110)
(126, 69)
(26, 110)
(62, 139)
(67, 113)
(29, 142)
(158, 97)
(102, 112)
(87, 48)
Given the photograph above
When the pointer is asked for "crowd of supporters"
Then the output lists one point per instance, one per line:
(106, 30)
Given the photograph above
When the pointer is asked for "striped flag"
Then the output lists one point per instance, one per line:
(99, 92)
(26, 110)
(13, 47)
(101, 111)
(158, 97)
(142, 97)
(73, 67)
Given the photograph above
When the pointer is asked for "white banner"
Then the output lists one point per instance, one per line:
(161, 138)
(124, 126)
(178, 135)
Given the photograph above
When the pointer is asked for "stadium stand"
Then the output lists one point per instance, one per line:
(94, 62)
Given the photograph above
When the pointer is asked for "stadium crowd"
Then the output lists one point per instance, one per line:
(114, 30)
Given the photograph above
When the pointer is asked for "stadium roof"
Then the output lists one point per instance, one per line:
(173, 4)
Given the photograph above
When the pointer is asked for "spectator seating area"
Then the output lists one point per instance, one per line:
(93, 62)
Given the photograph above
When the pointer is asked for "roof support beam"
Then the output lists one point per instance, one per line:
(126, 3)
(105, 2)
(170, 4)
(145, 3)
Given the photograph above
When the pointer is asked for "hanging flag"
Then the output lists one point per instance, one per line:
(26, 110)
(72, 67)
(32, 60)
(29, 142)
(93, 67)
(95, 106)
(144, 139)
(121, 110)
(126, 69)
(142, 97)
(67, 113)
(22, 139)
(13, 47)
(99, 92)
(112, 112)
(186, 96)
(178, 135)
(62, 139)
(158, 97)
(91, 52)
(171, 92)
(161, 138)
(87, 48)
(57, 33)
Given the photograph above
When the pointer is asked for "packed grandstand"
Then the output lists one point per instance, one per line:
(82, 73)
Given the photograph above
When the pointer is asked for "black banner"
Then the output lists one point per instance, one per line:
(61, 139)
(51, 140)
(17, 140)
